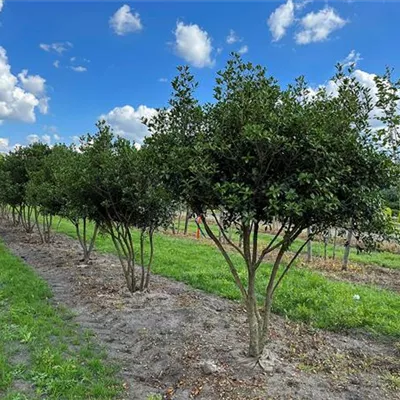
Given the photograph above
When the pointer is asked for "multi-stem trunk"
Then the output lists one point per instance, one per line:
(258, 322)
(86, 243)
(123, 242)
(25, 216)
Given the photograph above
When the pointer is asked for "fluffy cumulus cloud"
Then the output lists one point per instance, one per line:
(59, 47)
(32, 83)
(194, 45)
(127, 122)
(317, 26)
(20, 95)
(1, 4)
(124, 21)
(281, 19)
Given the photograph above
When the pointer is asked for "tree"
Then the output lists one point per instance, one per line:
(126, 195)
(260, 153)
(18, 167)
(70, 174)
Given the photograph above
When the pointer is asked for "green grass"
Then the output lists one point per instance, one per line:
(304, 295)
(42, 353)
(383, 259)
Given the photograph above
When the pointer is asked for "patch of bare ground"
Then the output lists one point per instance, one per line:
(186, 344)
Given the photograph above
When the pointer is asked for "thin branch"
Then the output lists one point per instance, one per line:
(227, 258)
(236, 247)
(290, 264)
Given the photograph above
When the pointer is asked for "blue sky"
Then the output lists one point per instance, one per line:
(65, 64)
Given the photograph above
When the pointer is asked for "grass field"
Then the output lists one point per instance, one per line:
(304, 295)
(42, 353)
(383, 259)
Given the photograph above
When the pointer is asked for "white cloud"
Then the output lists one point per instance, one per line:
(4, 142)
(193, 45)
(163, 80)
(59, 47)
(243, 50)
(46, 139)
(19, 96)
(124, 22)
(72, 59)
(352, 58)
(36, 85)
(126, 121)
(56, 137)
(232, 37)
(36, 139)
(299, 5)
(316, 27)
(79, 69)
(32, 83)
(44, 105)
(1, 5)
(280, 20)
(56, 64)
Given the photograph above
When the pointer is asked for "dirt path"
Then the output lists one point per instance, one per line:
(163, 338)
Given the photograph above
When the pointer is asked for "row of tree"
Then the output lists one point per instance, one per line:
(257, 154)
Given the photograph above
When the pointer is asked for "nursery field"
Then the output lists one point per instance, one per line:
(336, 338)
(305, 295)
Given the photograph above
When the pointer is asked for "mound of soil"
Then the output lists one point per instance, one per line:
(185, 344)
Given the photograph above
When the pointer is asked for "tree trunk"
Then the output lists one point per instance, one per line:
(334, 244)
(309, 246)
(187, 217)
(142, 278)
(347, 249)
(268, 299)
(151, 233)
(179, 221)
(253, 317)
(38, 225)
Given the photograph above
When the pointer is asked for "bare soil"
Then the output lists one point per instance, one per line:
(162, 338)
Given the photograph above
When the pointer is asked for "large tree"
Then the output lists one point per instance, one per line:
(260, 153)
